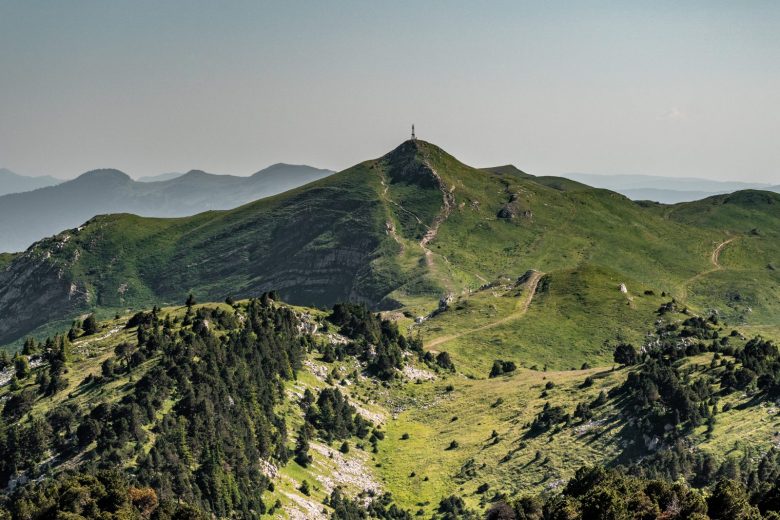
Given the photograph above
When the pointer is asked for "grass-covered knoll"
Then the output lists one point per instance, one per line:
(738, 212)
(743, 282)
(421, 467)
(570, 317)
(527, 432)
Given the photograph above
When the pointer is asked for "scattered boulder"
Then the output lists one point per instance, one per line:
(445, 301)
(516, 207)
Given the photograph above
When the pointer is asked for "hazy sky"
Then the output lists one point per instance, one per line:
(666, 88)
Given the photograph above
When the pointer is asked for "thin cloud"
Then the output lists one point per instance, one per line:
(673, 114)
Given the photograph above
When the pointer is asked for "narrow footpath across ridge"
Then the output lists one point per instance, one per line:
(520, 309)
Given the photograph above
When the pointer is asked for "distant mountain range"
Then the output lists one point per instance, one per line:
(11, 182)
(32, 215)
(667, 190)
(160, 177)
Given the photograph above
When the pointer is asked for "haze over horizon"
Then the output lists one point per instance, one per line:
(147, 87)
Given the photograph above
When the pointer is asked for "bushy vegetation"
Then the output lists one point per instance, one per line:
(501, 367)
(382, 507)
(375, 341)
(596, 493)
(98, 496)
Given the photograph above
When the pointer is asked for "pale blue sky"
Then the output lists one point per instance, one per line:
(665, 88)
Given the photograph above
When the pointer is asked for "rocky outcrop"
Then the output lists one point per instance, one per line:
(37, 286)
(516, 207)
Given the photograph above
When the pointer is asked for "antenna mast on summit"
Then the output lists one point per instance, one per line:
(413, 136)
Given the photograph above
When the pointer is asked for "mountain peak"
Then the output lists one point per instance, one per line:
(409, 162)
(104, 174)
(194, 174)
(288, 168)
(414, 149)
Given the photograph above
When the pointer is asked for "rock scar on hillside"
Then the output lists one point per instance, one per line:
(306, 509)
(448, 203)
(107, 335)
(349, 471)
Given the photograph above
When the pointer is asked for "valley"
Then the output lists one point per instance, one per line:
(442, 430)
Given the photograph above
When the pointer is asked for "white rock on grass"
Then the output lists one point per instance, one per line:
(412, 373)
(350, 471)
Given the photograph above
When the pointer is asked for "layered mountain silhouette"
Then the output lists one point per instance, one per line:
(667, 190)
(11, 182)
(406, 228)
(26, 217)
(161, 177)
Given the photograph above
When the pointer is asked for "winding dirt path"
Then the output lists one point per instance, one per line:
(520, 309)
(715, 257)
(714, 260)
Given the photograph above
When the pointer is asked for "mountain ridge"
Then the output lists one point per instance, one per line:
(360, 235)
(29, 216)
(667, 190)
(11, 182)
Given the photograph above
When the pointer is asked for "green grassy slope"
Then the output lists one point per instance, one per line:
(576, 316)
(745, 283)
(398, 231)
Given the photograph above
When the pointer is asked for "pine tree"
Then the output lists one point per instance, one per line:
(90, 325)
(302, 456)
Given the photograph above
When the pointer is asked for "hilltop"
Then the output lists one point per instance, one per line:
(397, 232)
(31, 216)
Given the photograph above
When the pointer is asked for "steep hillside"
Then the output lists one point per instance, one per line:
(398, 231)
(27, 217)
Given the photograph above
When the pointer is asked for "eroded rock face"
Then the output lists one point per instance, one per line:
(37, 286)
(404, 166)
